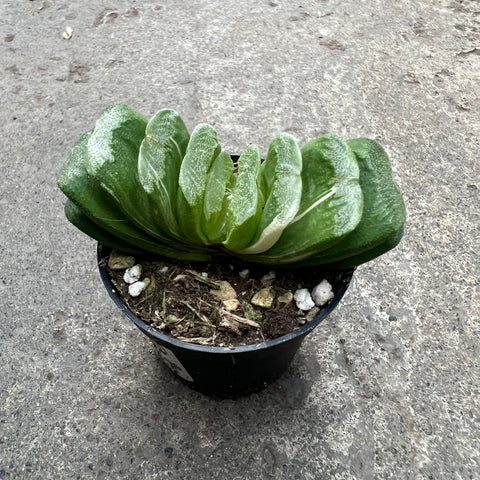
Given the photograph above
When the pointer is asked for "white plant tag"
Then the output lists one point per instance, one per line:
(174, 364)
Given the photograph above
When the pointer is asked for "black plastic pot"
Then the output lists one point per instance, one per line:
(221, 371)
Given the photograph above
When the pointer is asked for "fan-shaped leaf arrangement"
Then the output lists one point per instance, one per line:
(150, 186)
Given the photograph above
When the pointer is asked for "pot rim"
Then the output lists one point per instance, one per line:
(152, 332)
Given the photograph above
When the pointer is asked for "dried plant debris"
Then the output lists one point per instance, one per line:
(217, 303)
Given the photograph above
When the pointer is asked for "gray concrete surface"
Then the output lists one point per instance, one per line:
(388, 388)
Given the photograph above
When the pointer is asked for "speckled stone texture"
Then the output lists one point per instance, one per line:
(388, 387)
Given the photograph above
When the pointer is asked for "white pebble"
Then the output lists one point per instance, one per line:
(135, 289)
(322, 293)
(244, 273)
(164, 269)
(303, 299)
(133, 274)
(268, 277)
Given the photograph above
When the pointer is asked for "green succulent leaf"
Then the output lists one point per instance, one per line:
(331, 203)
(383, 212)
(247, 199)
(203, 148)
(113, 149)
(219, 182)
(97, 203)
(390, 242)
(93, 229)
(83, 222)
(282, 183)
(94, 211)
(160, 156)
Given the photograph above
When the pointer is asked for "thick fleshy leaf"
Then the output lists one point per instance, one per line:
(282, 182)
(202, 150)
(94, 230)
(217, 195)
(77, 217)
(101, 208)
(245, 208)
(112, 159)
(331, 203)
(383, 211)
(96, 202)
(159, 160)
(367, 255)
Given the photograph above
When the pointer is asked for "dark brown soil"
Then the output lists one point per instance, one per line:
(181, 300)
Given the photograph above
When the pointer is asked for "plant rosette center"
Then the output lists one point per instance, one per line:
(221, 303)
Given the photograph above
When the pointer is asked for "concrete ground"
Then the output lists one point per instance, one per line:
(388, 387)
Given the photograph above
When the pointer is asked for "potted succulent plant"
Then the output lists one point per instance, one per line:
(152, 191)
